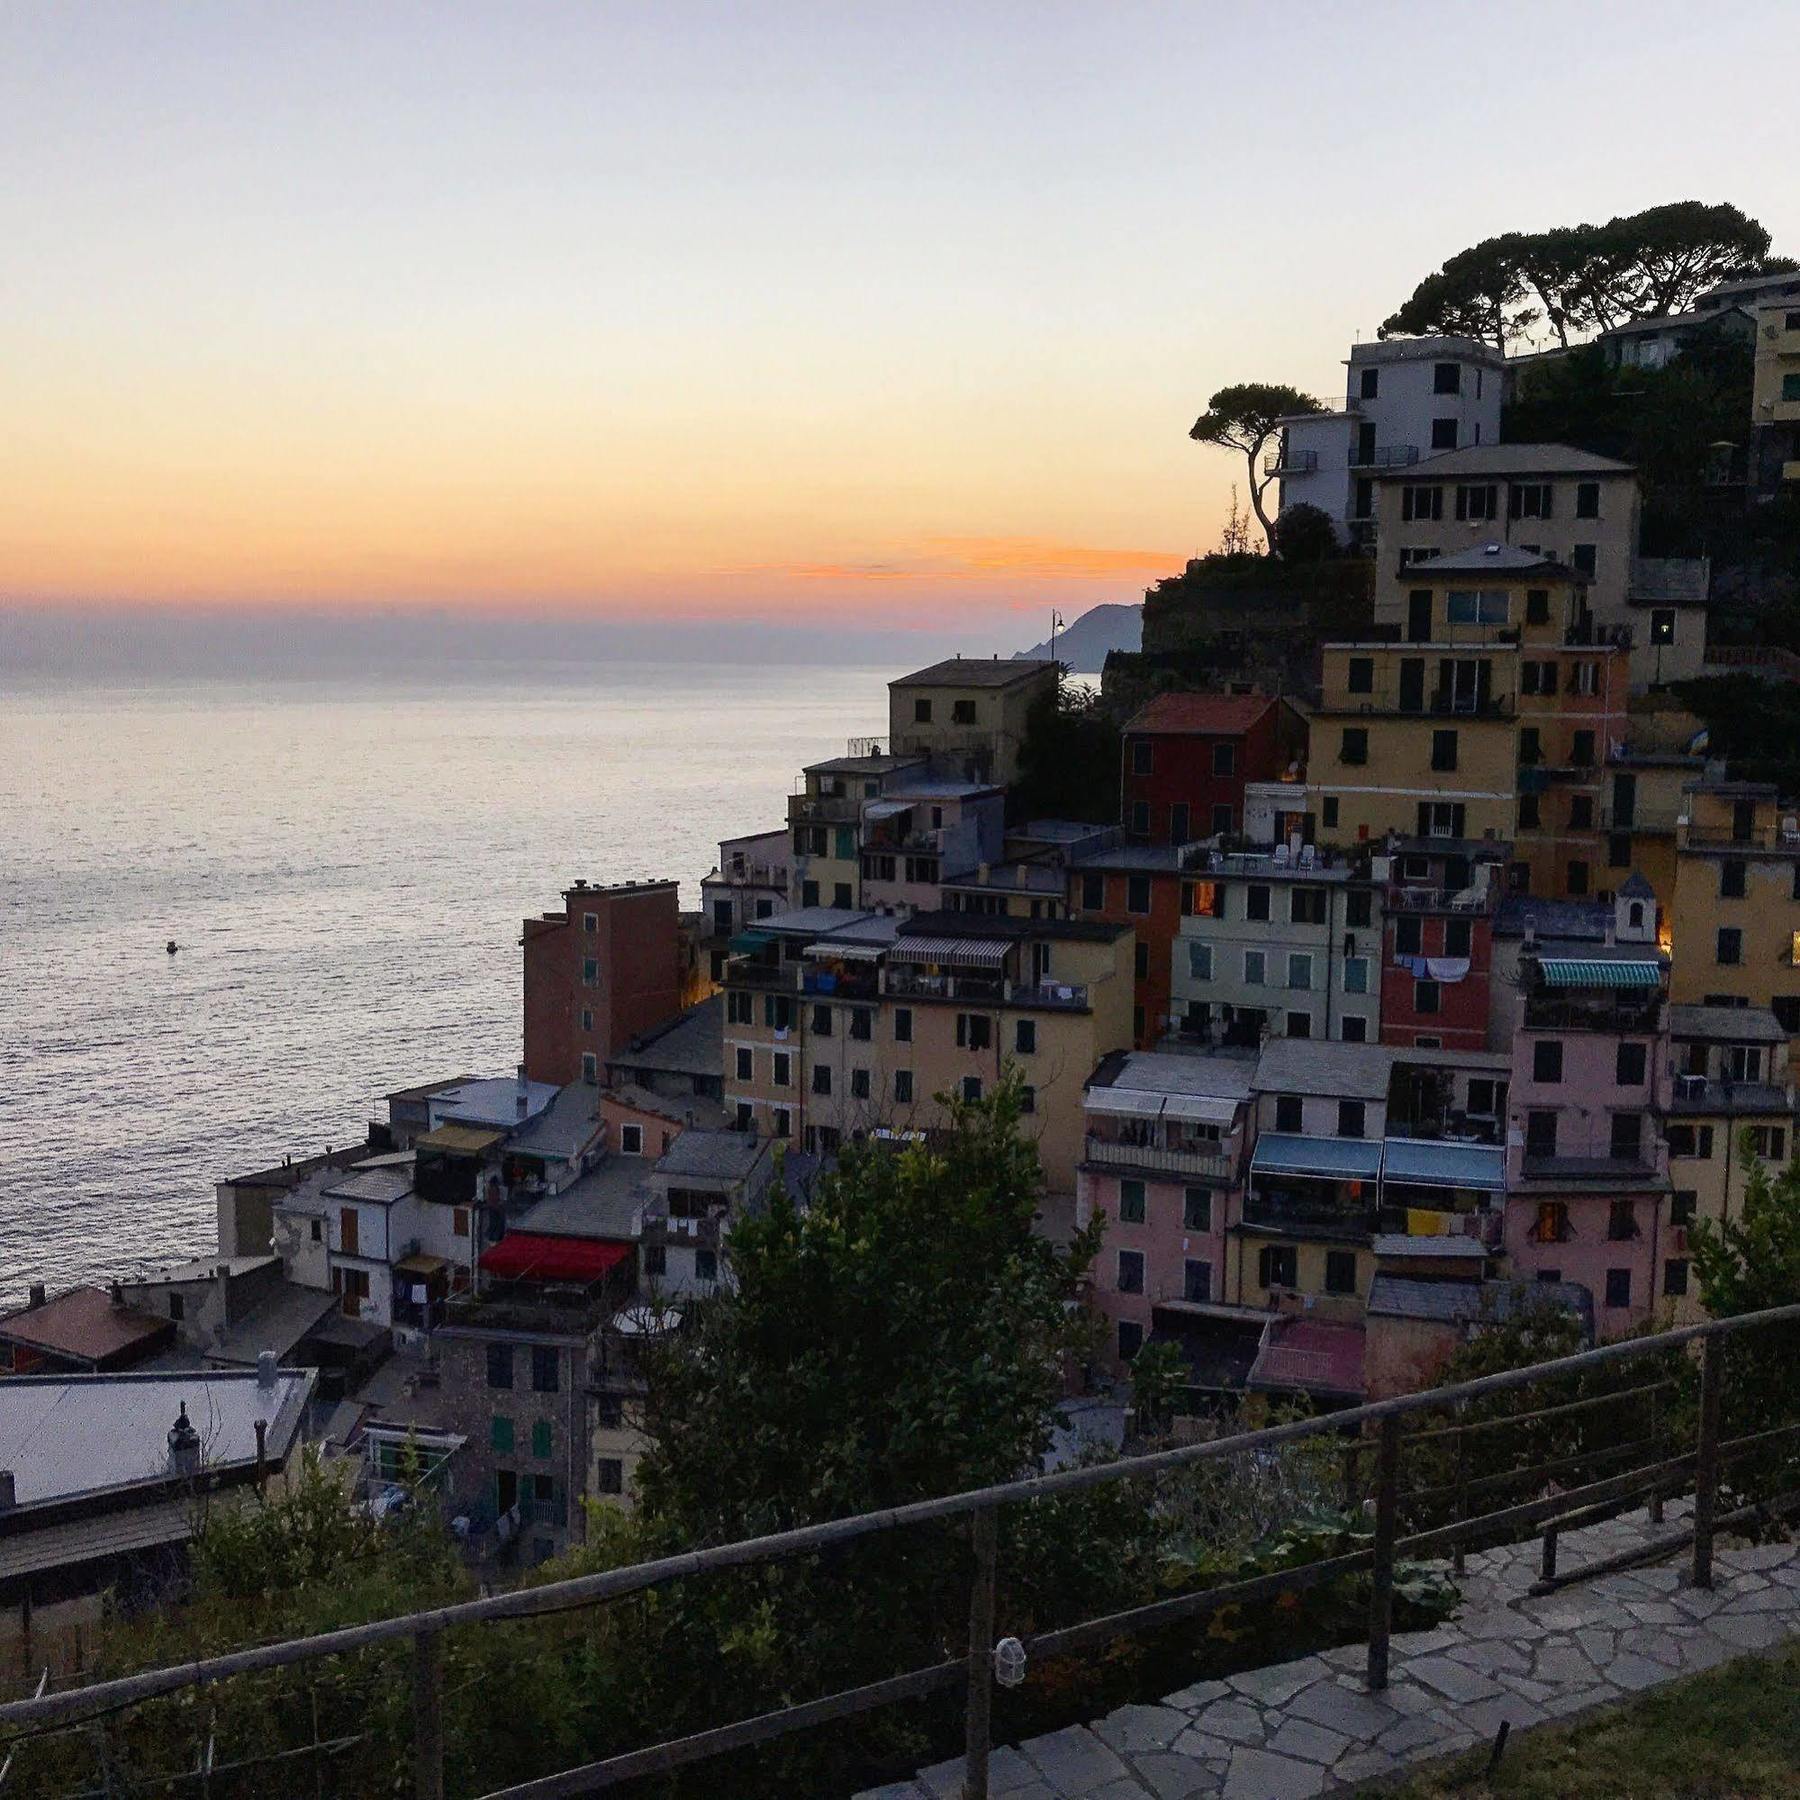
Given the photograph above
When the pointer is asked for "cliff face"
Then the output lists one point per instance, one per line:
(1083, 648)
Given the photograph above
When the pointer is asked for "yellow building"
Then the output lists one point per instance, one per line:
(1736, 924)
(1732, 1105)
(967, 714)
(1775, 398)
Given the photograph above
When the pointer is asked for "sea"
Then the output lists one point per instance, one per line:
(343, 866)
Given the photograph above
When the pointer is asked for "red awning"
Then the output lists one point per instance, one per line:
(538, 1256)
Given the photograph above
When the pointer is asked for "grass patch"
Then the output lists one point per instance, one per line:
(1734, 1731)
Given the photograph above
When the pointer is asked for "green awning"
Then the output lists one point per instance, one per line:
(747, 941)
(1580, 972)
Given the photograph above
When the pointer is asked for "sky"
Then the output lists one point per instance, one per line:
(820, 317)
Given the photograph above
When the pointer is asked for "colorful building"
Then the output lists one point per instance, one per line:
(1140, 885)
(1184, 759)
(967, 715)
(1438, 942)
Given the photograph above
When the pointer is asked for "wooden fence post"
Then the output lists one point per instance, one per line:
(1459, 1555)
(428, 1714)
(1547, 1571)
(1381, 1586)
(1706, 1458)
(984, 1532)
(1656, 1494)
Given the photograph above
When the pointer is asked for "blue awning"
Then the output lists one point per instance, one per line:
(747, 941)
(1581, 972)
(1429, 1162)
(1330, 1159)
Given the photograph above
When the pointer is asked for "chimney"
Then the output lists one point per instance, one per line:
(37, 1296)
(9, 1491)
(184, 1446)
(265, 1370)
(522, 1095)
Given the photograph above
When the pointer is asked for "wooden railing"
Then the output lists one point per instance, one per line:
(1373, 1434)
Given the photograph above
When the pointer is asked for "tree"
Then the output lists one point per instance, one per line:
(1159, 1378)
(1244, 418)
(1668, 255)
(1479, 293)
(1069, 761)
(1305, 534)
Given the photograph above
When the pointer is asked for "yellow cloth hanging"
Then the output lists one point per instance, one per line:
(1421, 1222)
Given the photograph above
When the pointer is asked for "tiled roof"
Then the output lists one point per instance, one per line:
(974, 672)
(1221, 715)
(1510, 459)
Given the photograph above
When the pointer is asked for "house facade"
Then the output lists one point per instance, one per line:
(1184, 760)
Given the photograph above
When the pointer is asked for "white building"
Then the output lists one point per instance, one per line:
(1405, 399)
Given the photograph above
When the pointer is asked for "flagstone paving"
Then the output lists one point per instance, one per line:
(1307, 1727)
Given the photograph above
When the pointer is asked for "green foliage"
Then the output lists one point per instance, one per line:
(1159, 1378)
(1304, 534)
(1750, 723)
(1243, 418)
(1069, 761)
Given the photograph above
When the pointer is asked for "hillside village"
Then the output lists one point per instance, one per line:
(1458, 964)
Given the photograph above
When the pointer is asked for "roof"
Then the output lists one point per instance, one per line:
(1137, 859)
(1324, 1066)
(1587, 972)
(678, 1109)
(494, 1101)
(1212, 715)
(1335, 1159)
(1636, 887)
(1433, 1248)
(1587, 919)
(988, 925)
(1471, 1302)
(373, 1187)
(1510, 459)
(812, 921)
(64, 1436)
(713, 1155)
(84, 1326)
(564, 1128)
(1432, 1162)
(860, 765)
(1170, 1072)
(603, 1203)
(1433, 346)
(692, 1044)
(1727, 1024)
(279, 1321)
(291, 1173)
(88, 1540)
(973, 672)
(469, 1140)
(1309, 1355)
(1494, 559)
(542, 1256)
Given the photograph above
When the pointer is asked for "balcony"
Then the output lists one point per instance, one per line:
(823, 809)
(864, 984)
(1153, 1159)
(906, 984)
(1291, 462)
(780, 978)
(1704, 838)
(1303, 1216)
(1421, 899)
(1066, 996)
(1637, 1018)
(1394, 456)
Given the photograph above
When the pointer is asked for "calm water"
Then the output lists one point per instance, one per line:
(345, 866)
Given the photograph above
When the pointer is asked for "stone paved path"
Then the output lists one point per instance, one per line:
(1301, 1728)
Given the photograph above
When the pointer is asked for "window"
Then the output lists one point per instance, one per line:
(1131, 1271)
(1093, 892)
(1470, 606)
(1221, 820)
(631, 1140)
(1196, 1209)
(1627, 1136)
(546, 1369)
(1200, 960)
(1482, 1097)
(1587, 560)
(1224, 759)
(1355, 1028)
(1143, 756)
(543, 1438)
(1356, 974)
(1131, 1203)
(1299, 970)
(1621, 1222)
(821, 1078)
(1618, 856)
(1354, 748)
(459, 1221)
(1137, 893)
(609, 1411)
(784, 1122)
(1618, 1287)
(1443, 434)
(706, 1265)
(739, 1007)
(590, 1063)
(1479, 500)
(1577, 879)
(1298, 1025)
(1428, 997)
(1733, 876)
(1769, 1142)
(610, 1470)
(1350, 1118)
(859, 1084)
(1581, 812)
(1140, 817)
(1307, 905)
(1256, 902)
(1288, 1113)
(500, 1434)
(1196, 1280)
(1684, 1206)
(1790, 387)
(784, 1069)
(1587, 500)
(1131, 1339)
(1662, 625)
(1530, 500)
(1424, 500)
(590, 971)
(1359, 675)
(962, 712)
(903, 1086)
(745, 1065)
(500, 1365)
(746, 1116)
(1540, 1133)
(1581, 753)
(1178, 823)
(1458, 936)
(1255, 968)
(1675, 1277)
(1631, 1062)
(587, 1018)
(974, 1031)
(1729, 950)
(1276, 1266)
(1552, 1224)
(1340, 1271)
(971, 1088)
(1025, 1037)
(1409, 937)
(1443, 750)
(902, 1024)
(178, 1306)
(1328, 811)
(1537, 607)
(1370, 386)
(1446, 378)
(1027, 1099)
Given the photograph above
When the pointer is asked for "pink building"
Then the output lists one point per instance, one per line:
(1587, 1175)
(1162, 1157)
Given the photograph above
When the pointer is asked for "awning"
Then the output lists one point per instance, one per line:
(887, 809)
(1332, 1159)
(848, 952)
(471, 1140)
(420, 1264)
(1422, 1162)
(1125, 1103)
(538, 1256)
(1204, 1109)
(747, 941)
(1579, 972)
(962, 953)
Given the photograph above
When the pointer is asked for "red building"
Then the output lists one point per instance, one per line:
(1185, 759)
(1137, 885)
(1437, 953)
(604, 970)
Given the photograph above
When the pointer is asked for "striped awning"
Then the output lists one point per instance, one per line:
(951, 953)
(1332, 1159)
(1582, 972)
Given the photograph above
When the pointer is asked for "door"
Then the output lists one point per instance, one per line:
(1365, 443)
(1418, 616)
(347, 1241)
(506, 1490)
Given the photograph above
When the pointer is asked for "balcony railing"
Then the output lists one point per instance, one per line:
(823, 809)
(1577, 1015)
(1157, 1159)
(864, 985)
(910, 985)
(782, 978)
(1709, 838)
(1307, 1217)
(1394, 456)
(1285, 462)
